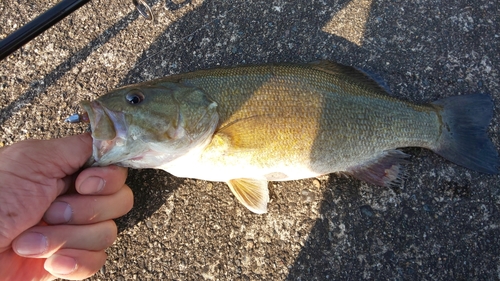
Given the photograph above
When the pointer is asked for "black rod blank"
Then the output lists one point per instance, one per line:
(32, 29)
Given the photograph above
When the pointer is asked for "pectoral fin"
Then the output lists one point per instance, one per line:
(247, 133)
(252, 193)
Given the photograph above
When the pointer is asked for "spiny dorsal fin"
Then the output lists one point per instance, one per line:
(383, 170)
(349, 73)
(252, 193)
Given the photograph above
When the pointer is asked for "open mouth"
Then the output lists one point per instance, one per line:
(108, 130)
(100, 122)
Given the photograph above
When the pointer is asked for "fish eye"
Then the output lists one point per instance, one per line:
(134, 97)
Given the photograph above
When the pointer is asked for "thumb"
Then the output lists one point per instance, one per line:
(55, 158)
(32, 174)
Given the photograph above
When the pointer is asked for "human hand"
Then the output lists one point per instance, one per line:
(69, 242)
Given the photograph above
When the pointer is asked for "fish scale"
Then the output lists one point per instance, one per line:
(315, 111)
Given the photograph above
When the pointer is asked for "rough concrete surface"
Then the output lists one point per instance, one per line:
(442, 223)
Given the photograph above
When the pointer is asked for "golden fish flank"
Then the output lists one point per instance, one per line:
(251, 124)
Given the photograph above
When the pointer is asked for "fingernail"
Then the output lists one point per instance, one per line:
(30, 244)
(58, 212)
(92, 185)
(60, 265)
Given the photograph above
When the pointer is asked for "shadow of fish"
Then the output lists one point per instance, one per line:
(249, 125)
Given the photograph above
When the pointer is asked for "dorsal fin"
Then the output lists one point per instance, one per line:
(252, 193)
(349, 73)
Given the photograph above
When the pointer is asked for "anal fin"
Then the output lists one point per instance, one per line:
(252, 193)
(383, 170)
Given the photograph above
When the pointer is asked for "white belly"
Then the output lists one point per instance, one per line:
(190, 166)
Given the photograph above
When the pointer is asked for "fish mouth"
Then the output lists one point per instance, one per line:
(108, 130)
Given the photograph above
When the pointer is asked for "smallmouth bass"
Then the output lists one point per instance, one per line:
(248, 125)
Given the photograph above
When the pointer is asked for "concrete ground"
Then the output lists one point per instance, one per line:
(442, 223)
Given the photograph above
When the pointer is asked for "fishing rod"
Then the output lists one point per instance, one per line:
(52, 16)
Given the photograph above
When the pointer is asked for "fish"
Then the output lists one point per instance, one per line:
(248, 125)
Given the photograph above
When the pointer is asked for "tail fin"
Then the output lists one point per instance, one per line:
(464, 139)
